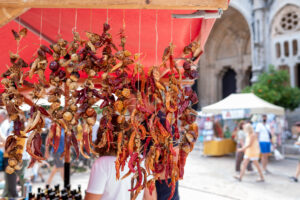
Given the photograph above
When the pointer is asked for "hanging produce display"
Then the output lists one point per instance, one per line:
(138, 133)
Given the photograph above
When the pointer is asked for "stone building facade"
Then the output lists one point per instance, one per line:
(251, 35)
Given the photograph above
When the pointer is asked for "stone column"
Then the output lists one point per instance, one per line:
(258, 47)
(240, 74)
(292, 75)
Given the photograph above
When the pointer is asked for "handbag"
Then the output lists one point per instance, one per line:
(278, 155)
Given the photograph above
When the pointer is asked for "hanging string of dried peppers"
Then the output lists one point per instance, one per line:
(142, 137)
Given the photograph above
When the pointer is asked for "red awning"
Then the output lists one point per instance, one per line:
(47, 22)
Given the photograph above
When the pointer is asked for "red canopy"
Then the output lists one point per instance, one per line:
(47, 22)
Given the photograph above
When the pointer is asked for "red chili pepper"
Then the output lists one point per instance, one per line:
(140, 177)
(173, 152)
(158, 167)
(146, 146)
(108, 140)
(143, 109)
(151, 187)
(104, 104)
(152, 84)
(53, 130)
(176, 130)
(183, 106)
(132, 161)
(75, 143)
(194, 98)
(133, 80)
(43, 111)
(172, 190)
(181, 163)
(86, 143)
(96, 94)
(37, 144)
(57, 137)
(162, 129)
(171, 64)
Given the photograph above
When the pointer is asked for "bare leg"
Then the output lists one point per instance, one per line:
(264, 161)
(61, 171)
(298, 171)
(256, 164)
(244, 166)
(53, 172)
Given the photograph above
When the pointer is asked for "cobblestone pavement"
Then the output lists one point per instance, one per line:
(211, 178)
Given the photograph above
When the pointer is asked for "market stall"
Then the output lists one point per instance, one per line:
(233, 107)
(74, 58)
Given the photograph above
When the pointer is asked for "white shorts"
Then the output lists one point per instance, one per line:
(252, 159)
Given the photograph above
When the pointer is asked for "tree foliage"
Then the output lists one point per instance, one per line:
(274, 87)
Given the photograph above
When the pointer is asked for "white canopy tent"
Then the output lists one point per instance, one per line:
(244, 101)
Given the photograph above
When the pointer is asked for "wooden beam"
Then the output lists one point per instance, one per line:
(119, 4)
(8, 13)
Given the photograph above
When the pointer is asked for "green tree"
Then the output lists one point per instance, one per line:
(274, 87)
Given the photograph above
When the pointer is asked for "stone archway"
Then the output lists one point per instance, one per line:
(228, 45)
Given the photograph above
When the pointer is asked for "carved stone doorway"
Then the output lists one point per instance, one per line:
(228, 83)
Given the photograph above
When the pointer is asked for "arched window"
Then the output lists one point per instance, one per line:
(285, 37)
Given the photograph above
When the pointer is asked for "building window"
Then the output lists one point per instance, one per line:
(295, 47)
(286, 49)
(278, 52)
(290, 21)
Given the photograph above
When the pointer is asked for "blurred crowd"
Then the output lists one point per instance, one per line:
(256, 142)
(16, 184)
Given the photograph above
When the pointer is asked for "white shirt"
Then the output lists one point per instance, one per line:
(4, 128)
(95, 130)
(263, 131)
(103, 180)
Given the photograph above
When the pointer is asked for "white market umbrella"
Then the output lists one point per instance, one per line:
(244, 101)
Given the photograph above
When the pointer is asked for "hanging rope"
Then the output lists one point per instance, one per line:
(139, 48)
(18, 43)
(171, 28)
(156, 38)
(75, 25)
(107, 15)
(140, 22)
(91, 19)
(190, 32)
(156, 49)
(124, 24)
(41, 27)
(59, 23)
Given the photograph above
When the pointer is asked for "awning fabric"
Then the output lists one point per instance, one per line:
(248, 101)
(47, 21)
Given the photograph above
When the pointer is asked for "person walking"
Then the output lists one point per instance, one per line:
(295, 178)
(58, 162)
(252, 152)
(102, 182)
(240, 139)
(10, 188)
(264, 135)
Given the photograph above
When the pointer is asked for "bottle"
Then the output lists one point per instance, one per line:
(68, 190)
(56, 189)
(46, 190)
(31, 196)
(28, 189)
